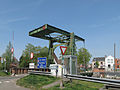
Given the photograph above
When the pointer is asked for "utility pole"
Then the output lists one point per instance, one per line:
(13, 48)
(114, 55)
(84, 57)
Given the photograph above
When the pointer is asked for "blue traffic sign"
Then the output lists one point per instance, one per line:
(42, 62)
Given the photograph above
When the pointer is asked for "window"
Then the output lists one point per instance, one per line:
(111, 60)
(117, 62)
(109, 66)
(102, 63)
(108, 60)
(117, 66)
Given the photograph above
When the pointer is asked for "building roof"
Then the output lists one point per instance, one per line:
(99, 59)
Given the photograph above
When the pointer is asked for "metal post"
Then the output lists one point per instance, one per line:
(72, 44)
(50, 53)
(13, 48)
(70, 66)
(114, 55)
(76, 65)
(4, 64)
(61, 84)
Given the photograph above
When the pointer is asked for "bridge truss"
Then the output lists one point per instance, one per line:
(54, 35)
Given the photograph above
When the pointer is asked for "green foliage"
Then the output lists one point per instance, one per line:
(4, 73)
(1, 66)
(82, 55)
(7, 55)
(24, 61)
(38, 52)
(78, 85)
(35, 81)
(96, 64)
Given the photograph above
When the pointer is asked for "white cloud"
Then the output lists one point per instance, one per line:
(16, 20)
(8, 11)
(116, 18)
(96, 25)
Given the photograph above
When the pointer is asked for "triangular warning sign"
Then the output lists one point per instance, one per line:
(63, 49)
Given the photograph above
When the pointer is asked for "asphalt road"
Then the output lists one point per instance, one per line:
(9, 83)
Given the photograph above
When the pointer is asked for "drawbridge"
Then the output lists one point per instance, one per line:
(56, 35)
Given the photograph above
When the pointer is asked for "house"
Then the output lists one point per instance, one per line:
(101, 62)
(109, 63)
(98, 70)
(117, 64)
(106, 62)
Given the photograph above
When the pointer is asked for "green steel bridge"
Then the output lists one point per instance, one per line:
(56, 35)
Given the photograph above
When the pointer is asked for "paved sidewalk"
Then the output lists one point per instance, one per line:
(54, 84)
(9, 83)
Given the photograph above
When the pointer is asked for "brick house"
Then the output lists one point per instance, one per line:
(98, 71)
(100, 60)
(117, 64)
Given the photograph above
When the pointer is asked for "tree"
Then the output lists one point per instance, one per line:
(7, 55)
(24, 61)
(96, 64)
(1, 66)
(25, 57)
(83, 56)
(38, 52)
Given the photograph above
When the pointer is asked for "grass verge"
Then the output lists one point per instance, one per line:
(79, 85)
(4, 73)
(35, 81)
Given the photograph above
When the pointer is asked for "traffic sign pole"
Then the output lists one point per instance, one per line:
(12, 57)
(61, 85)
(31, 57)
(63, 50)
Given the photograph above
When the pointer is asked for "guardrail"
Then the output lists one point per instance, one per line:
(94, 79)
(89, 74)
(39, 73)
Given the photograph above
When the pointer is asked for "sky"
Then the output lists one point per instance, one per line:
(97, 21)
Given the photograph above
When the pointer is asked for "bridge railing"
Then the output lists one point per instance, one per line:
(26, 70)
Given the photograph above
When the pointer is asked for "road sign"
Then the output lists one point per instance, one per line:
(31, 55)
(63, 49)
(42, 62)
(12, 50)
(31, 65)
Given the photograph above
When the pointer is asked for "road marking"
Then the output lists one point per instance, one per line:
(0, 82)
(7, 81)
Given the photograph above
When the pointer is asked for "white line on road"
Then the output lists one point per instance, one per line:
(0, 82)
(7, 81)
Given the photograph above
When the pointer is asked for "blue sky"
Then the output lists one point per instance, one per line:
(97, 21)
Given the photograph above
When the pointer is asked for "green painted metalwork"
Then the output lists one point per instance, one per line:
(54, 35)
(72, 44)
(45, 31)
